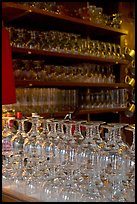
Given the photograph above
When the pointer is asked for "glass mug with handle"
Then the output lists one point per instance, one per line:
(130, 81)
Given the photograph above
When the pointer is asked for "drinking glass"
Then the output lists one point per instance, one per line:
(132, 147)
(113, 51)
(116, 20)
(33, 154)
(109, 50)
(89, 142)
(115, 98)
(77, 132)
(20, 40)
(111, 144)
(92, 10)
(108, 100)
(27, 71)
(7, 134)
(29, 144)
(33, 42)
(102, 99)
(123, 97)
(87, 101)
(98, 15)
(17, 68)
(96, 133)
(103, 49)
(118, 51)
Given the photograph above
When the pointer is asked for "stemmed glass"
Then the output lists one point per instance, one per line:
(96, 133)
(88, 142)
(27, 71)
(98, 15)
(20, 39)
(116, 20)
(118, 134)
(37, 69)
(17, 157)
(110, 76)
(131, 149)
(111, 144)
(77, 132)
(69, 163)
(7, 134)
(32, 154)
(16, 66)
(68, 137)
(92, 10)
(33, 42)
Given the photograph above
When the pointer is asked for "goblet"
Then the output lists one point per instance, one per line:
(122, 146)
(92, 10)
(20, 40)
(96, 133)
(132, 147)
(77, 132)
(7, 134)
(98, 15)
(110, 139)
(33, 42)
(17, 70)
(88, 142)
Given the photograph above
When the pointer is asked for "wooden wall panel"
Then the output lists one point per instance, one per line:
(127, 9)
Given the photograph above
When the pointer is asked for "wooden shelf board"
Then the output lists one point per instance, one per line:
(32, 52)
(13, 11)
(84, 112)
(62, 84)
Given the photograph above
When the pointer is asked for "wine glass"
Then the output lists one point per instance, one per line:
(92, 9)
(88, 142)
(118, 134)
(7, 135)
(33, 42)
(96, 133)
(131, 149)
(110, 139)
(98, 15)
(20, 40)
(77, 132)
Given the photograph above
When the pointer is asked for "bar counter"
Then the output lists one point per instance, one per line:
(9, 195)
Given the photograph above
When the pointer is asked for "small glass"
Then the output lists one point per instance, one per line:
(33, 42)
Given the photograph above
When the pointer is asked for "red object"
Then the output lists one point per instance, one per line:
(8, 83)
(19, 115)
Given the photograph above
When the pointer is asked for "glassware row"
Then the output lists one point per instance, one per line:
(90, 12)
(65, 42)
(44, 100)
(39, 70)
(58, 164)
(51, 100)
(115, 98)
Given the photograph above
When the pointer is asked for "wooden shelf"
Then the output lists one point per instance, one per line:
(27, 53)
(63, 84)
(102, 110)
(84, 112)
(22, 15)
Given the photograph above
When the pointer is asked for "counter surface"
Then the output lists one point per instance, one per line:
(9, 195)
